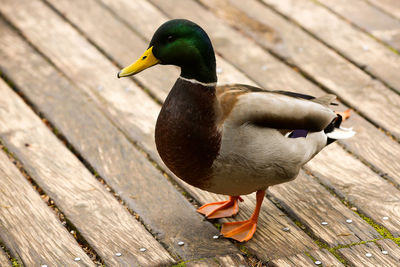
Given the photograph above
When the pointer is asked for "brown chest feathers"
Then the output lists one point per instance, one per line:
(186, 135)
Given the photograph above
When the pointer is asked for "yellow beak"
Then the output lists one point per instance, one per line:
(145, 61)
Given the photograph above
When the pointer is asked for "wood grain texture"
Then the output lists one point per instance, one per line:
(326, 259)
(102, 221)
(312, 204)
(369, 18)
(114, 158)
(28, 227)
(391, 7)
(4, 262)
(343, 78)
(352, 43)
(355, 182)
(228, 261)
(270, 241)
(356, 255)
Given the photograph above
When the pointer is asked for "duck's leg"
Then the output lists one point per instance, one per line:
(221, 209)
(244, 230)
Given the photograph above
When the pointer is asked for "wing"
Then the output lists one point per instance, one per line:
(275, 109)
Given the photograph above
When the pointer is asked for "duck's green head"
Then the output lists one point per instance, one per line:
(182, 43)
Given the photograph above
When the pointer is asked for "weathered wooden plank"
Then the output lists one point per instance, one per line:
(340, 76)
(355, 45)
(368, 18)
(126, 170)
(392, 7)
(4, 262)
(312, 204)
(102, 221)
(371, 254)
(323, 256)
(354, 181)
(228, 261)
(28, 227)
(271, 240)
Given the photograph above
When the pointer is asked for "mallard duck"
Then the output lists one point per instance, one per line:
(232, 139)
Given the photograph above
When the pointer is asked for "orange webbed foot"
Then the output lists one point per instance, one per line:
(240, 231)
(244, 230)
(221, 209)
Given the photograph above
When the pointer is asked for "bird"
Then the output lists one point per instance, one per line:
(233, 139)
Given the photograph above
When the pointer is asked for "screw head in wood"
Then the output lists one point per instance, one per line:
(385, 252)
(77, 259)
(324, 223)
(386, 218)
(349, 220)
(286, 229)
(118, 254)
(369, 255)
(317, 262)
(142, 249)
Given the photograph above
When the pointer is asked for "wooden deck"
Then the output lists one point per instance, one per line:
(81, 183)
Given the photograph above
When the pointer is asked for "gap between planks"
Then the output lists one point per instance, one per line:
(5, 256)
(369, 19)
(50, 203)
(390, 7)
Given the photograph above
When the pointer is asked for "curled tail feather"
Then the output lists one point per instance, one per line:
(334, 131)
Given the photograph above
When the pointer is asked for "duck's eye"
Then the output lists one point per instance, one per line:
(170, 39)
